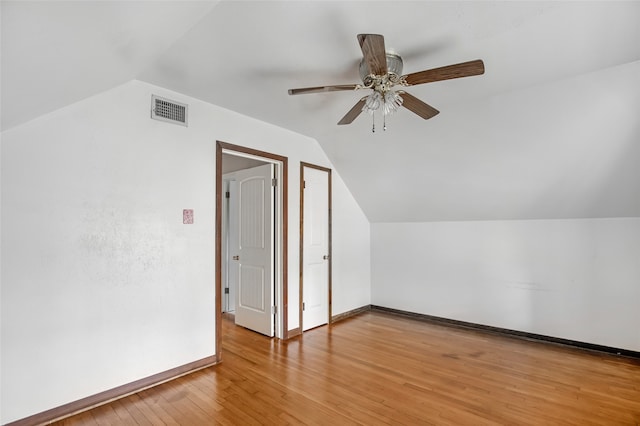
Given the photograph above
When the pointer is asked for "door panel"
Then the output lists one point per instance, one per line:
(315, 257)
(252, 285)
(252, 256)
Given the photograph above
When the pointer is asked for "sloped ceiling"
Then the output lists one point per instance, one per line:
(550, 131)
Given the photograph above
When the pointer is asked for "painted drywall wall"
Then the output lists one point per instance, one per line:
(102, 284)
(575, 279)
(351, 251)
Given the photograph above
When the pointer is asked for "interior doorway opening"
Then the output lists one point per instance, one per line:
(232, 164)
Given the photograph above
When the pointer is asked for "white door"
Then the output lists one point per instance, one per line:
(315, 248)
(251, 219)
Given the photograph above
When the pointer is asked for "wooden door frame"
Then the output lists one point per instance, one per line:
(329, 272)
(221, 148)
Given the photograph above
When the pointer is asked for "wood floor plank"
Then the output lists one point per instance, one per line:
(382, 369)
(141, 411)
(167, 413)
(128, 414)
(105, 415)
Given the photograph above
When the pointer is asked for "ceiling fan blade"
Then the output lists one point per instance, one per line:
(374, 52)
(417, 106)
(465, 69)
(353, 112)
(322, 89)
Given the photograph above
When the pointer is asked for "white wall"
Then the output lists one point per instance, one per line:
(102, 284)
(575, 279)
(351, 255)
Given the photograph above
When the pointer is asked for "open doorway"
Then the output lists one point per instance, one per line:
(260, 297)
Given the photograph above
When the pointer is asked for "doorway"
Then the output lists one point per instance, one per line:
(228, 158)
(315, 246)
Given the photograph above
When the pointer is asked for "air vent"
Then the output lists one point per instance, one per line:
(167, 110)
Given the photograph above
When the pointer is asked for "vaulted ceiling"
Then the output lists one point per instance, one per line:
(551, 130)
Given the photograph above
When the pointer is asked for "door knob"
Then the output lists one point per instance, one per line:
(325, 257)
(236, 257)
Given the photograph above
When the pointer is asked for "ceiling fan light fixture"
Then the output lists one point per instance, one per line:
(372, 102)
(392, 101)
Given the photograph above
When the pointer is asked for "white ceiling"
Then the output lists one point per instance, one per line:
(551, 129)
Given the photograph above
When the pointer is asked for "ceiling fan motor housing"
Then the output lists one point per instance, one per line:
(394, 66)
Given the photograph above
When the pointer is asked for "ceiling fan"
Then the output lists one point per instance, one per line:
(381, 71)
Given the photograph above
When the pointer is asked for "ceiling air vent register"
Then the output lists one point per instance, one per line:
(167, 110)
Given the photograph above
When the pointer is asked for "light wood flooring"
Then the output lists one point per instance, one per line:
(377, 368)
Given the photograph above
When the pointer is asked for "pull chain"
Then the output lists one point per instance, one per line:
(373, 124)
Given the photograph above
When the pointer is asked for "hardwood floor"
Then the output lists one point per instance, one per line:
(378, 368)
